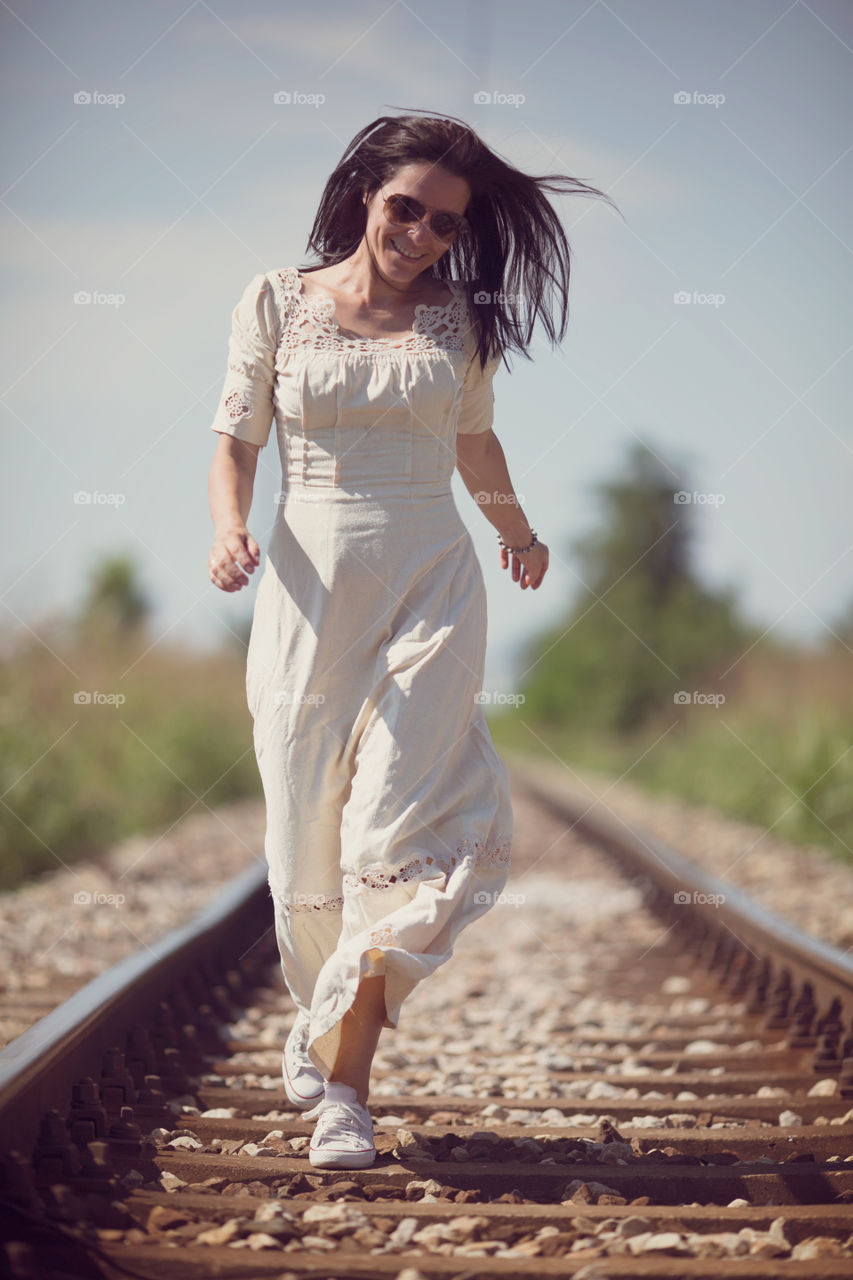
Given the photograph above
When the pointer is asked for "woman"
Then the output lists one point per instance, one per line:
(388, 815)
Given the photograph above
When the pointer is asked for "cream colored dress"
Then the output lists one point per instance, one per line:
(389, 822)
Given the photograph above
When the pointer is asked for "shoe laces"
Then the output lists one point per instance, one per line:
(341, 1120)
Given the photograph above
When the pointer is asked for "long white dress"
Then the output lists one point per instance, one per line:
(389, 822)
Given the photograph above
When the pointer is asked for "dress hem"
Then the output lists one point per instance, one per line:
(431, 914)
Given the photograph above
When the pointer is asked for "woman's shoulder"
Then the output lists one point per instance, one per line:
(284, 286)
(267, 286)
(286, 278)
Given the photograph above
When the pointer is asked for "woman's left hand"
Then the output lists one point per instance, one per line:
(530, 568)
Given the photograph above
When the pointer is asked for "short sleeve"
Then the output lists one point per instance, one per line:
(246, 404)
(476, 411)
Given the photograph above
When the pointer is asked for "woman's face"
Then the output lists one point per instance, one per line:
(402, 252)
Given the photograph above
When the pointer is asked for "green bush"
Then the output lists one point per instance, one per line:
(792, 776)
(601, 685)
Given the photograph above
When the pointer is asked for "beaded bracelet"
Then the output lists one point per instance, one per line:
(520, 551)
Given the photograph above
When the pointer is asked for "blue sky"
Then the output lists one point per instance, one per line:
(182, 178)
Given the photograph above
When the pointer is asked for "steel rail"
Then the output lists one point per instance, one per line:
(749, 949)
(695, 900)
(70, 1041)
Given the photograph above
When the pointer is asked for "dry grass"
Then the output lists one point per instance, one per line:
(76, 776)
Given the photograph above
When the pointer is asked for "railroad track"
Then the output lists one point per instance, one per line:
(690, 1112)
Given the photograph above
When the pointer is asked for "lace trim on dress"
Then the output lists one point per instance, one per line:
(384, 934)
(308, 901)
(420, 867)
(311, 320)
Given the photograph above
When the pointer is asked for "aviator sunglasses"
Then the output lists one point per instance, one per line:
(406, 210)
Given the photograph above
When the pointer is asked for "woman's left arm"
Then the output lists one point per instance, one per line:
(482, 466)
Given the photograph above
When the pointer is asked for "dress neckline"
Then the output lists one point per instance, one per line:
(327, 302)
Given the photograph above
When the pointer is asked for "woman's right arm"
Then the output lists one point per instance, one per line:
(230, 487)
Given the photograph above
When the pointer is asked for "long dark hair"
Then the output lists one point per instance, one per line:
(516, 252)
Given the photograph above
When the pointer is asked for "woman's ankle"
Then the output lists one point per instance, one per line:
(361, 1087)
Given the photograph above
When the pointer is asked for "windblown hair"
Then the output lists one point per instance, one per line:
(515, 260)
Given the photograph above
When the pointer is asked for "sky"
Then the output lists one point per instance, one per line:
(149, 169)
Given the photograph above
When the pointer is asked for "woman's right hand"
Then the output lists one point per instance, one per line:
(233, 551)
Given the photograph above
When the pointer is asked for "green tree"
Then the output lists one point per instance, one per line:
(643, 628)
(115, 601)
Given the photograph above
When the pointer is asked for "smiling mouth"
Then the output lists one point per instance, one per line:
(408, 257)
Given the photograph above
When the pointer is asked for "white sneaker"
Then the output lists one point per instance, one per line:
(343, 1135)
(303, 1083)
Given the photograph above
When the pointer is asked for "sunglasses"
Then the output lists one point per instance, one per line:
(406, 210)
